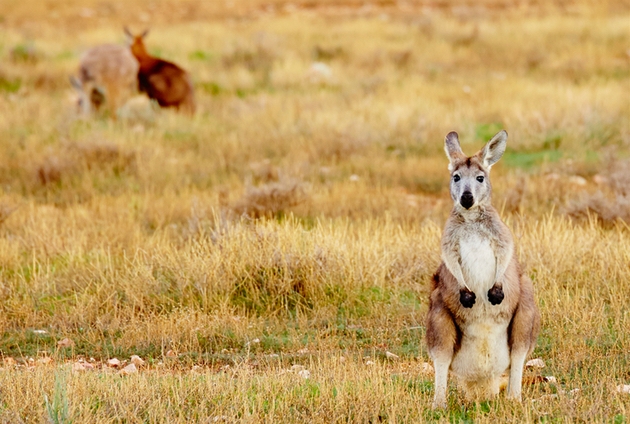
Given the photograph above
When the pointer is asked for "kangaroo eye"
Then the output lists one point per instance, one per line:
(480, 178)
(456, 178)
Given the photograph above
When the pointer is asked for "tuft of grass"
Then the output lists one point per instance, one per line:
(58, 406)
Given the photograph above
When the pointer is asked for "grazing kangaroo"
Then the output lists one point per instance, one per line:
(483, 319)
(163, 81)
(108, 76)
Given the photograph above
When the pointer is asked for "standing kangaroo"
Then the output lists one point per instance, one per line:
(483, 319)
(108, 76)
(164, 81)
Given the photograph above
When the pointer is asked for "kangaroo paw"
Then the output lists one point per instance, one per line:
(467, 298)
(495, 295)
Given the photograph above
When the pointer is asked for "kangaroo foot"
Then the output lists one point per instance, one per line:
(466, 298)
(495, 295)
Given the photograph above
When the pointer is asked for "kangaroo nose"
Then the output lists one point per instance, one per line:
(467, 199)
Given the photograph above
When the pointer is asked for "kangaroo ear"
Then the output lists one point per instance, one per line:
(145, 33)
(453, 149)
(75, 83)
(127, 32)
(494, 149)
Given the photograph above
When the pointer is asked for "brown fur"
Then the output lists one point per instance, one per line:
(451, 326)
(164, 81)
(107, 78)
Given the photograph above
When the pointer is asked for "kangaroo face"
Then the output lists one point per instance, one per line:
(470, 176)
(470, 185)
(136, 43)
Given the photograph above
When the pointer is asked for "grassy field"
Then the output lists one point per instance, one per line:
(269, 258)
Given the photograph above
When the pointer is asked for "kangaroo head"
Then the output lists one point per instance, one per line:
(470, 176)
(136, 43)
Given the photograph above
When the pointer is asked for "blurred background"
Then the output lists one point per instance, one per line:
(326, 100)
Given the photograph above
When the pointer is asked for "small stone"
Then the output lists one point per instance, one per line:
(319, 72)
(113, 363)
(623, 388)
(370, 363)
(305, 374)
(137, 361)
(297, 368)
(129, 369)
(535, 363)
(577, 180)
(171, 354)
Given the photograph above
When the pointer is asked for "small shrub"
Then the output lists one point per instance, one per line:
(270, 200)
(9, 84)
(607, 209)
(76, 158)
(25, 53)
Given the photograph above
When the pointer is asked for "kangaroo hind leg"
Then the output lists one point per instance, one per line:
(522, 338)
(441, 339)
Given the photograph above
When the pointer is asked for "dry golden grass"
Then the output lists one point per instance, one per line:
(293, 224)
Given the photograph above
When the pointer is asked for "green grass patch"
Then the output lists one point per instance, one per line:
(530, 160)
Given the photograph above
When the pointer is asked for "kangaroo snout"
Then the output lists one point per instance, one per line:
(467, 199)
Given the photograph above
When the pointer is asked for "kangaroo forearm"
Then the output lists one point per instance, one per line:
(456, 271)
(503, 262)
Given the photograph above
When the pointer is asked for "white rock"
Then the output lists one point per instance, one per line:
(319, 72)
(304, 374)
(577, 180)
(535, 363)
(137, 361)
(551, 379)
(114, 363)
(129, 369)
(623, 388)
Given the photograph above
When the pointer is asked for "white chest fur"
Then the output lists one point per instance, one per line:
(478, 262)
